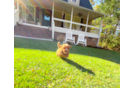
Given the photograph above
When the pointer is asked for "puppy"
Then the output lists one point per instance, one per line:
(63, 50)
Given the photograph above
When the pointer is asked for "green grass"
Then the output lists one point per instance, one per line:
(37, 66)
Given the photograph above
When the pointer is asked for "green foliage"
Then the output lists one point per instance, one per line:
(109, 39)
(38, 20)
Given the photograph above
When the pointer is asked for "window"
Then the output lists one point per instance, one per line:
(47, 18)
(30, 13)
(26, 13)
(74, 0)
(29, 17)
(22, 11)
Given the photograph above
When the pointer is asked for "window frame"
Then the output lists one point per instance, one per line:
(74, 1)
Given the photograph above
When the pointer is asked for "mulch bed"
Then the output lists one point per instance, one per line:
(98, 47)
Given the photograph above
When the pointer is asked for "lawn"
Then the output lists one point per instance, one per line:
(37, 66)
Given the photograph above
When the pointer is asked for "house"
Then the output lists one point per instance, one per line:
(56, 17)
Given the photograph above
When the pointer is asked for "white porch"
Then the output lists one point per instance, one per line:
(72, 18)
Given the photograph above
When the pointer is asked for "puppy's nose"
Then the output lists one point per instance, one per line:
(66, 49)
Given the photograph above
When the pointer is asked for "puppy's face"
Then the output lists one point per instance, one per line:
(65, 49)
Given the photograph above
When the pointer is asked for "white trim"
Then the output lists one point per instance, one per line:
(87, 22)
(25, 12)
(16, 10)
(32, 38)
(16, 17)
(75, 32)
(34, 14)
(17, 5)
(99, 32)
(61, 20)
(52, 23)
(33, 25)
(71, 19)
(85, 25)
(76, 23)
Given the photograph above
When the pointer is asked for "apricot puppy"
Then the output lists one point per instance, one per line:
(63, 50)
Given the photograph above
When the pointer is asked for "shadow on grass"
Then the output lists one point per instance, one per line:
(81, 68)
(52, 46)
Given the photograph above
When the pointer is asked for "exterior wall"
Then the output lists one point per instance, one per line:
(74, 3)
(90, 41)
(16, 17)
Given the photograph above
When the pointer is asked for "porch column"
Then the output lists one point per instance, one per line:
(87, 22)
(18, 4)
(99, 31)
(34, 14)
(71, 19)
(25, 13)
(52, 22)
(18, 9)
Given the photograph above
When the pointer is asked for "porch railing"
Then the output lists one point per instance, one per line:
(76, 32)
(57, 19)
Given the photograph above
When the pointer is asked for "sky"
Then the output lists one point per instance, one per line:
(98, 2)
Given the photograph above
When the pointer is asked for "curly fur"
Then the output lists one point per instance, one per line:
(63, 50)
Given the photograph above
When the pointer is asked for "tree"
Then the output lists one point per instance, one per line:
(109, 39)
(92, 2)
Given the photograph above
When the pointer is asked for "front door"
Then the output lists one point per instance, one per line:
(46, 19)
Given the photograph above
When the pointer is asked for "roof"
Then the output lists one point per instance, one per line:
(84, 3)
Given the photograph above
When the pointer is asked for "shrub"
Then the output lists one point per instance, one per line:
(104, 45)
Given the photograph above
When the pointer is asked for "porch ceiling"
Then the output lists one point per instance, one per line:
(66, 7)
(63, 6)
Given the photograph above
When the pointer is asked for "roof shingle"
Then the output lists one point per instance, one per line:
(84, 3)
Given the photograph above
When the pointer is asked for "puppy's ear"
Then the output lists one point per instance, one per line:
(70, 46)
(58, 44)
